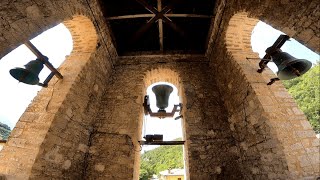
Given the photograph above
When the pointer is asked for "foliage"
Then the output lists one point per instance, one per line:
(306, 91)
(160, 159)
(4, 131)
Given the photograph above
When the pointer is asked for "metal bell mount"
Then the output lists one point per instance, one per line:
(289, 67)
(162, 93)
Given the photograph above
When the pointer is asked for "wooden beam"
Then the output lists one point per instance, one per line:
(188, 15)
(162, 143)
(144, 28)
(160, 24)
(152, 15)
(131, 16)
(147, 6)
(43, 58)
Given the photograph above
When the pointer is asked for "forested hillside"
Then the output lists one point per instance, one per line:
(4, 131)
(306, 92)
(159, 159)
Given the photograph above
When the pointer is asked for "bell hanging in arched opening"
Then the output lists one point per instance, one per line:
(162, 93)
(289, 67)
(29, 74)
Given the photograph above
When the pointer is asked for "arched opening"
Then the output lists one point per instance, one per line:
(165, 160)
(37, 137)
(302, 89)
(268, 113)
(56, 44)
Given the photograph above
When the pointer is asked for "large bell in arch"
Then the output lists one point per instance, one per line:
(29, 74)
(162, 92)
(289, 67)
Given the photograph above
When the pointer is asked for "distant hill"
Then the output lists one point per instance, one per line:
(4, 131)
(159, 159)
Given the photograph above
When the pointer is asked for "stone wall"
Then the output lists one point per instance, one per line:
(87, 125)
(274, 136)
(51, 138)
(211, 149)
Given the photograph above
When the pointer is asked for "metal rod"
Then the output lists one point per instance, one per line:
(160, 24)
(162, 143)
(273, 80)
(43, 58)
(260, 59)
(152, 15)
(47, 80)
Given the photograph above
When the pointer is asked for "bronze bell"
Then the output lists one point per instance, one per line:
(29, 74)
(289, 67)
(162, 92)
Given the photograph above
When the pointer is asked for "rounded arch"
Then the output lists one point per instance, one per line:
(37, 129)
(162, 74)
(83, 34)
(261, 99)
(238, 34)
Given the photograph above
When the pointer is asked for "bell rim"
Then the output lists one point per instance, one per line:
(24, 70)
(280, 72)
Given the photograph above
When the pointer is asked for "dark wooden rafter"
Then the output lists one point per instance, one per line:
(159, 15)
(152, 15)
(147, 6)
(160, 26)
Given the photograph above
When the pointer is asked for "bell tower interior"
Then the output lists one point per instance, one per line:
(88, 125)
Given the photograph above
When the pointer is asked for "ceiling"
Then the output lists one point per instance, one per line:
(159, 26)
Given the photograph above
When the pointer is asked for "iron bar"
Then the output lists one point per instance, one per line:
(162, 143)
(43, 58)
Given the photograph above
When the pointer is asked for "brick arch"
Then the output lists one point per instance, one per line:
(264, 120)
(238, 35)
(83, 34)
(298, 19)
(162, 74)
(37, 137)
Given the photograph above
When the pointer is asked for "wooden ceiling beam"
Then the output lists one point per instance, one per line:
(188, 15)
(160, 27)
(152, 15)
(147, 6)
(131, 16)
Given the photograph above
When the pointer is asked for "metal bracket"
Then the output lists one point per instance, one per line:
(147, 110)
(270, 50)
(45, 60)
(273, 80)
(161, 142)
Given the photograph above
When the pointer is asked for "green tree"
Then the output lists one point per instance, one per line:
(160, 159)
(4, 131)
(306, 92)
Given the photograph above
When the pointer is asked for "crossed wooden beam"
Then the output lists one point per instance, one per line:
(157, 14)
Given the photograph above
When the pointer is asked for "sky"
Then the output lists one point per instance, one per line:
(170, 128)
(56, 43)
(263, 36)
